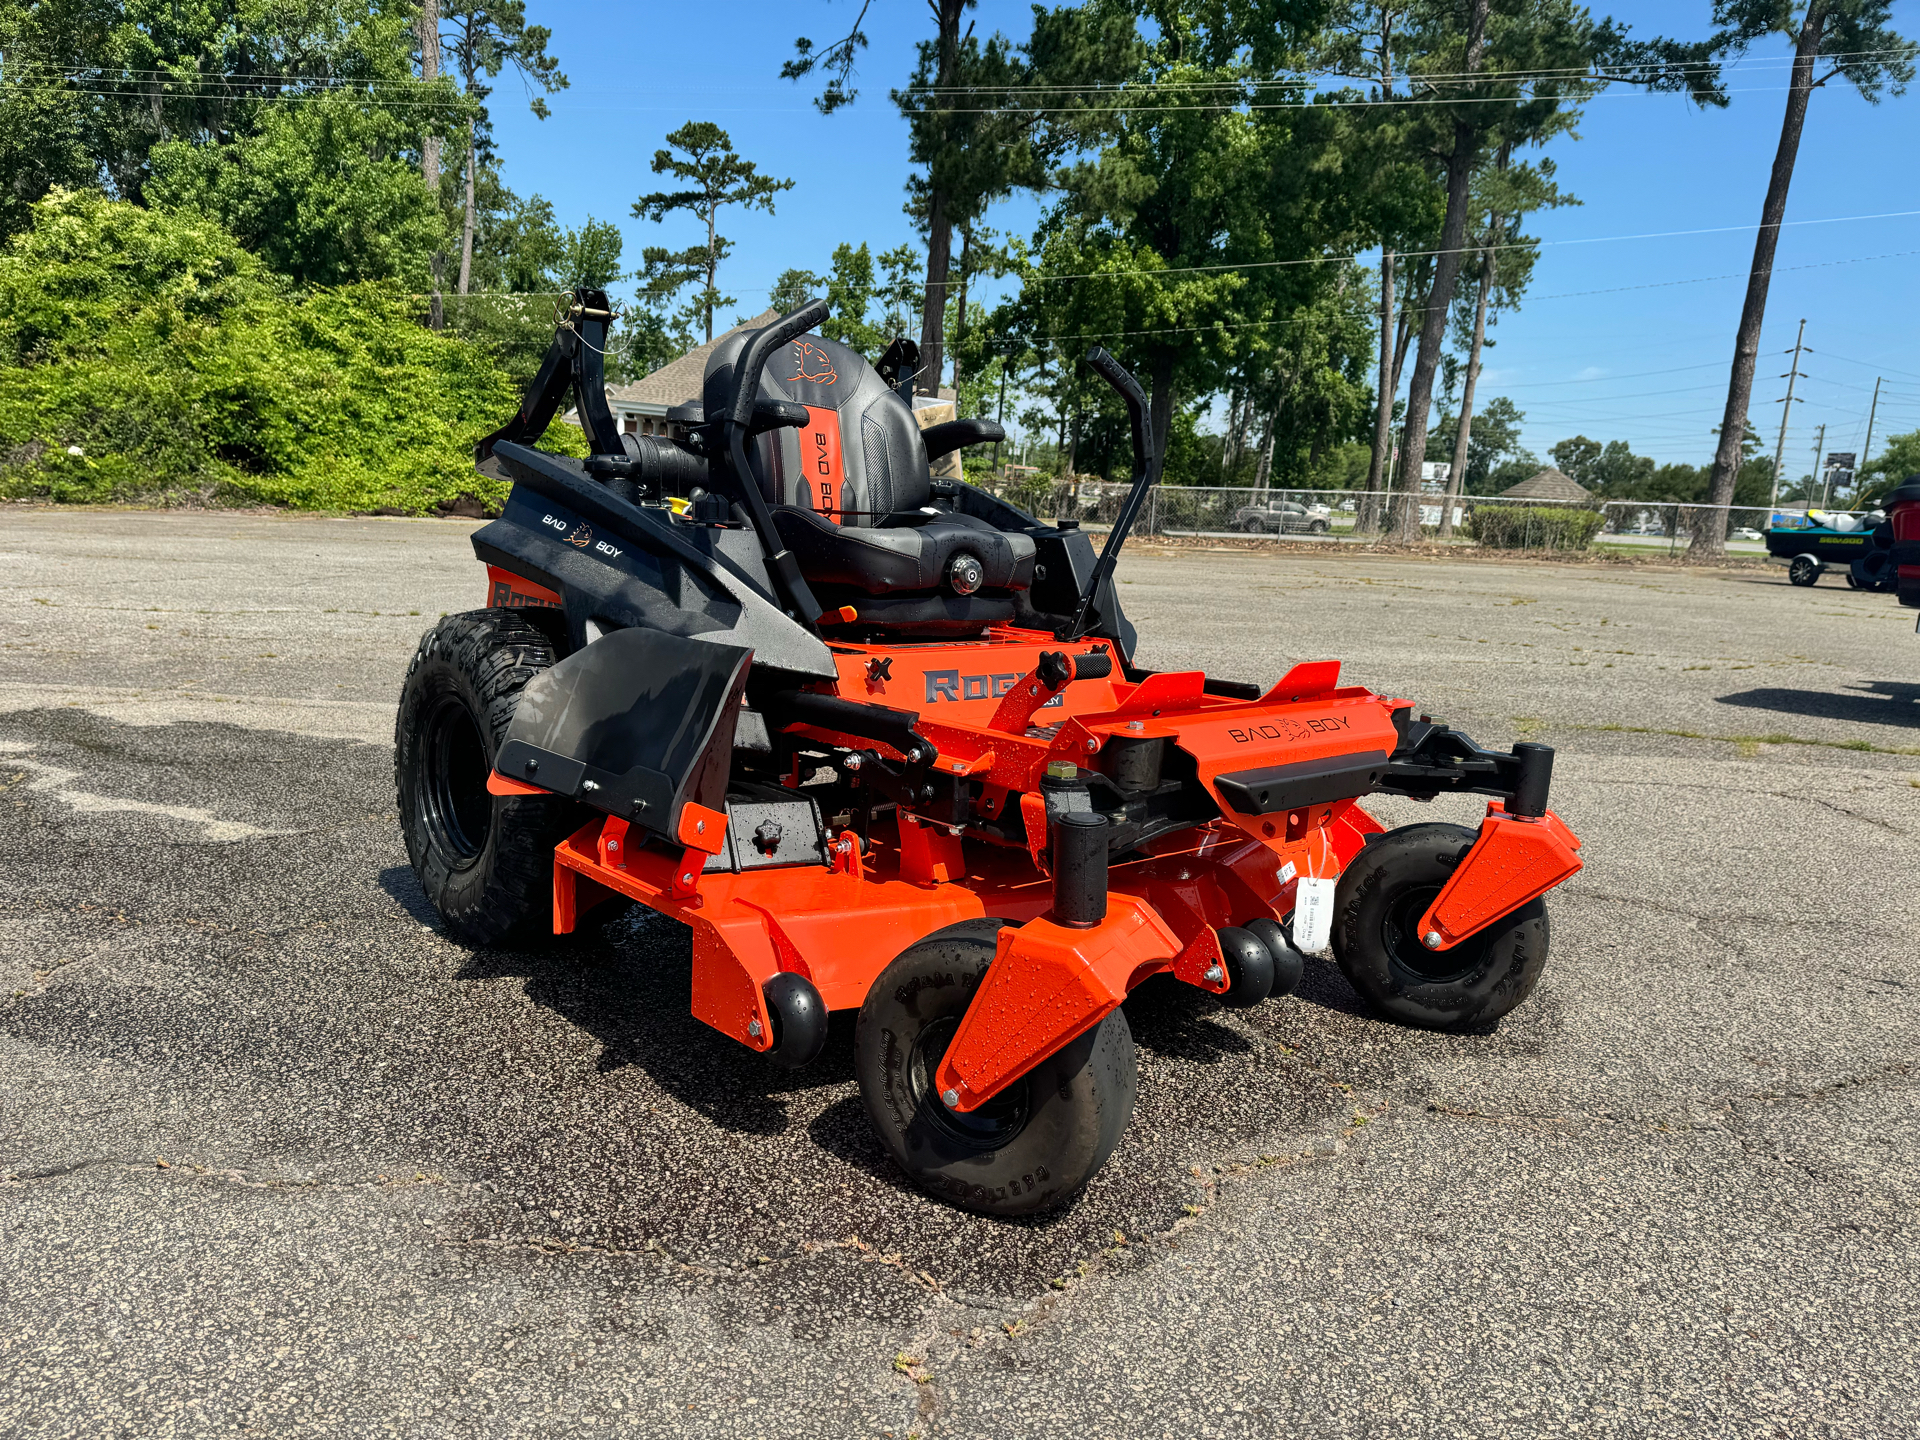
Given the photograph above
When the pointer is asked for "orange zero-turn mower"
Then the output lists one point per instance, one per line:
(878, 740)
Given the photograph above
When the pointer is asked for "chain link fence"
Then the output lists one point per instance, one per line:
(1509, 523)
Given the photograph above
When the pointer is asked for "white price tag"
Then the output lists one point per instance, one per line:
(1313, 914)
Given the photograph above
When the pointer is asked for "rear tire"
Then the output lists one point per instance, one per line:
(1032, 1147)
(1804, 570)
(486, 862)
(1254, 525)
(1873, 571)
(1385, 891)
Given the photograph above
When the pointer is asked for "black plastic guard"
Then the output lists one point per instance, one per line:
(637, 724)
(628, 564)
(1302, 783)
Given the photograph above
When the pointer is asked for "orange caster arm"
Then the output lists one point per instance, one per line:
(1514, 860)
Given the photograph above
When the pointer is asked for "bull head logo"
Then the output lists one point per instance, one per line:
(811, 363)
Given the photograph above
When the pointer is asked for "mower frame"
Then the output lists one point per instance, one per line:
(812, 802)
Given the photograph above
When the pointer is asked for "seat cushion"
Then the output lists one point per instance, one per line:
(908, 557)
(858, 459)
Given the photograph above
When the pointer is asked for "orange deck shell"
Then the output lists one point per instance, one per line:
(840, 926)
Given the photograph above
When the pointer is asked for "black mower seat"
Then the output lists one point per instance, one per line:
(850, 496)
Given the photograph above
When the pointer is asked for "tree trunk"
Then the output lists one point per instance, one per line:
(940, 239)
(1264, 468)
(1160, 407)
(1457, 472)
(1416, 289)
(1447, 266)
(1236, 424)
(960, 308)
(467, 221)
(427, 27)
(933, 314)
(1711, 525)
(713, 262)
(1367, 517)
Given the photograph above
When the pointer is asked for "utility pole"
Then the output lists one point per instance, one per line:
(1820, 438)
(1781, 442)
(1861, 464)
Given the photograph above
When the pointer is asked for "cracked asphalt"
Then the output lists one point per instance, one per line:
(278, 1157)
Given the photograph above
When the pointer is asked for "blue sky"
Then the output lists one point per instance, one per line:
(1618, 339)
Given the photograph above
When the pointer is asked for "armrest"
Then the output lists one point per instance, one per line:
(769, 414)
(951, 435)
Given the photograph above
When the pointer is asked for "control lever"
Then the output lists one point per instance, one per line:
(737, 423)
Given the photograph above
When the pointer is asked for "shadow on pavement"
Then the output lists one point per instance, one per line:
(1323, 985)
(400, 883)
(1881, 702)
(1175, 1020)
(629, 987)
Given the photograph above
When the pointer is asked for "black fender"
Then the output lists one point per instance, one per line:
(637, 724)
(623, 565)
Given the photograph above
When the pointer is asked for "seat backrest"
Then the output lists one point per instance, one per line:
(860, 456)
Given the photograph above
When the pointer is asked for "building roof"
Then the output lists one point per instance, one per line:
(1549, 484)
(680, 380)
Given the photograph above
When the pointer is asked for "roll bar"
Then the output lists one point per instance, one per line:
(574, 359)
(737, 422)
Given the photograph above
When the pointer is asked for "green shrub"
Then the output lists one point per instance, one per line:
(148, 356)
(1038, 495)
(1532, 527)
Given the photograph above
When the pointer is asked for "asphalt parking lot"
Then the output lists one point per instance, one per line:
(277, 1157)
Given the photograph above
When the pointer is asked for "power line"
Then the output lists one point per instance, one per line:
(1329, 102)
(1026, 280)
(172, 75)
(1568, 72)
(1870, 364)
(1565, 295)
(1293, 79)
(181, 90)
(1631, 395)
(1631, 375)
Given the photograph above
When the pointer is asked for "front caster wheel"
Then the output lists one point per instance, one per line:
(1381, 898)
(1032, 1147)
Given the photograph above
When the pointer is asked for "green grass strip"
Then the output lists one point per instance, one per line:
(1763, 740)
